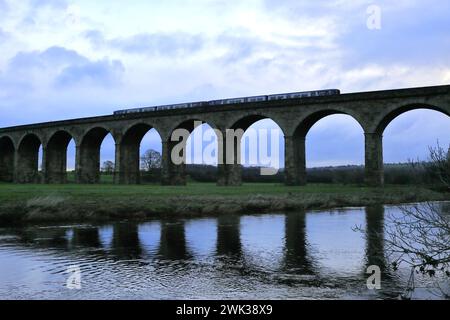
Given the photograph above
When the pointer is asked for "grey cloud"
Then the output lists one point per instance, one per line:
(240, 46)
(34, 6)
(3, 7)
(406, 36)
(167, 44)
(56, 4)
(95, 37)
(68, 68)
(104, 73)
(51, 57)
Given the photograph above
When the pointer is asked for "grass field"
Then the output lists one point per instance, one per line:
(40, 202)
(13, 192)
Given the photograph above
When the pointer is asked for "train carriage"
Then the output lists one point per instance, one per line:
(273, 97)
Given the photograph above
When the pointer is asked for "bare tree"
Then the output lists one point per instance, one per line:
(439, 164)
(108, 167)
(151, 159)
(419, 237)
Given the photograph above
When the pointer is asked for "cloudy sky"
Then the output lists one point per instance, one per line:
(65, 59)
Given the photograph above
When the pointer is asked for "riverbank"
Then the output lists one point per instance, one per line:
(97, 203)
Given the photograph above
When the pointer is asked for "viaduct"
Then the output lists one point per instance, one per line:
(19, 145)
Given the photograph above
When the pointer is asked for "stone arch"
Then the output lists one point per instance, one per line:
(374, 139)
(175, 173)
(190, 125)
(302, 129)
(233, 165)
(143, 123)
(88, 154)
(7, 150)
(387, 118)
(244, 122)
(295, 144)
(129, 152)
(56, 157)
(27, 168)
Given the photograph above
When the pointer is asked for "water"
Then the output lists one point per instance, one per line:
(312, 255)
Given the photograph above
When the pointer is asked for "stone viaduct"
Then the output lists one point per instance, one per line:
(19, 146)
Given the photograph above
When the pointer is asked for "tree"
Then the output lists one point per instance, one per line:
(108, 167)
(419, 237)
(151, 159)
(439, 164)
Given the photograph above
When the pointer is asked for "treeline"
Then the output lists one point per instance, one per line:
(399, 174)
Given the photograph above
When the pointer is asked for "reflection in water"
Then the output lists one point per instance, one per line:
(44, 237)
(229, 236)
(374, 237)
(125, 242)
(296, 245)
(86, 237)
(284, 256)
(173, 241)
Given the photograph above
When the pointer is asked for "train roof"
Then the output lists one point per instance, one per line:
(223, 99)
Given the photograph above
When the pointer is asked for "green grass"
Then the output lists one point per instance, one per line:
(74, 202)
(10, 192)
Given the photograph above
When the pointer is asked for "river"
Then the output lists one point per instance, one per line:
(302, 255)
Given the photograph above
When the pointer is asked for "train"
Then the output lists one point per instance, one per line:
(273, 97)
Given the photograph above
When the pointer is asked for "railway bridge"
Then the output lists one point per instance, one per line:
(19, 145)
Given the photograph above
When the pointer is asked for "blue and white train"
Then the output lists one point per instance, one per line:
(283, 96)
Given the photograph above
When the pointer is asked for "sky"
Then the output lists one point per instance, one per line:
(67, 59)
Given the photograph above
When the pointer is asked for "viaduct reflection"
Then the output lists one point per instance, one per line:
(86, 237)
(229, 236)
(375, 251)
(296, 256)
(125, 243)
(172, 244)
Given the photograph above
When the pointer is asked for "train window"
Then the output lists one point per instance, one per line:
(278, 97)
(256, 99)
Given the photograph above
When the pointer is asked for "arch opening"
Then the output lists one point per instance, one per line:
(407, 138)
(195, 145)
(253, 151)
(384, 123)
(56, 164)
(28, 160)
(335, 150)
(141, 139)
(262, 151)
(107, 159)
(88, 163)
(202, 151)
(6, 159)
(319, 123)
(151, 157)
(305, 126)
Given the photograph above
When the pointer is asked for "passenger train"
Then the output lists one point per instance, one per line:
(283, 96)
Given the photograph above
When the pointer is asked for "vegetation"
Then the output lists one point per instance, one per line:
(107, 167)
(420, 236)
(72, 202)
(412, 173)
(151, 160)
(394, 174)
